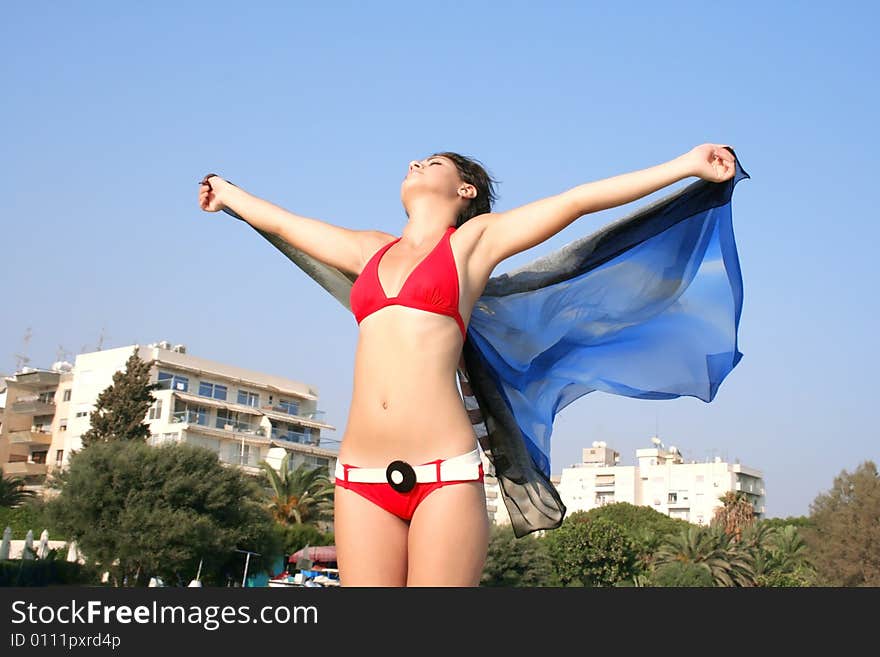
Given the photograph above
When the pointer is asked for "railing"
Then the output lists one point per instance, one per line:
(201, 419)
(292, 436)
(24, 468)
(32, 436)
(316, 415)
(252, 459)
(33, 405)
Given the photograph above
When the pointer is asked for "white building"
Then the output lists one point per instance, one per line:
(238, 414)
(495, 506)
(661, 480)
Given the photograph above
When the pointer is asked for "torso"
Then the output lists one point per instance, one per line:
(405, 401)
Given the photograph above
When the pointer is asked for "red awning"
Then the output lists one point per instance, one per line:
(317, 553)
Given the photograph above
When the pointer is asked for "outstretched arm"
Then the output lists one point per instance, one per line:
(510, 232)
(332, 245)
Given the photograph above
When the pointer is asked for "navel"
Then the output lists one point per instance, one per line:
(384, 404)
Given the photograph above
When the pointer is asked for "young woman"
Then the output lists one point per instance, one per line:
(410, 507)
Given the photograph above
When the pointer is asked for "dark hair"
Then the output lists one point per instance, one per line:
(473, 173)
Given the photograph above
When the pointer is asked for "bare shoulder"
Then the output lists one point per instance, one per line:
(370, 242)
(373, 240)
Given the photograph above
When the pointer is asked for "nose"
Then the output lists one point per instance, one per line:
(414, 164)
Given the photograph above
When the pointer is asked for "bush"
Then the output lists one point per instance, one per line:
(682, 574)
(592, 552)
(47, 572)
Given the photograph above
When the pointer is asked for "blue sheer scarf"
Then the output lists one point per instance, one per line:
(647, 307)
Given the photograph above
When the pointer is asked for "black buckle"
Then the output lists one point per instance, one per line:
(401, 476)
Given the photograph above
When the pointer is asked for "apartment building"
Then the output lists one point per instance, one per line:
(242, 415)
(495, 507)
(662, 480)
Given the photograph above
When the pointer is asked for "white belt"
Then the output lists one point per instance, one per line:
(465, 467)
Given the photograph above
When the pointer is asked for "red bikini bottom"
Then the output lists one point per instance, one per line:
(403, 505)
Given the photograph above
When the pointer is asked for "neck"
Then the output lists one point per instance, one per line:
(427, 222)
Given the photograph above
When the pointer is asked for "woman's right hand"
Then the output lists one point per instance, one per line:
(209, 193)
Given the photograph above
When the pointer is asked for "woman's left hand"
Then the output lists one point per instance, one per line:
(712, 162)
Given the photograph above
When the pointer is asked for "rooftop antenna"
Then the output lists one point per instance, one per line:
(101, 339)
(62, 353)
(22, 359)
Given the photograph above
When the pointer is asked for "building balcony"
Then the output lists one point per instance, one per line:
(220, 429)
(298, 437)
(24, 469)
(317, 416)
(36, 380)
(33, 406)
(245, 467)
(309, 419)
(30, 438)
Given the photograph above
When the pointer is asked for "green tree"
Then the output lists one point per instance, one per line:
(13, 492)
(30, 515)
(296, 537)
(795, 521)
(512, 561)
(121, 408)
(844, 539)
(682, 574)
(647, 527)
(301, 495)
(781, 557)
(592, 552)
(141, 511)
(709, 548)
(638, 519)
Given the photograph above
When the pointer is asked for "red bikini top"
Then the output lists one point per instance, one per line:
(431, 286)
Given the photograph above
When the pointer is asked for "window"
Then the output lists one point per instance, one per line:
(39, 457)
(248, 398)
(66, 395)
(47, 397)
(198, 414)
(289, 407)
(155, 410)
(168, 381)
(248, 455)
(62, 424)
(605, 480)
(59, 456)
(82, 413)
(673, 498)
(213, 390)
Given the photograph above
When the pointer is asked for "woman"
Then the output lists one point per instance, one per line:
(410, 504)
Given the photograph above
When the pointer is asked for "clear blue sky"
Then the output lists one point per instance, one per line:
(112, 112)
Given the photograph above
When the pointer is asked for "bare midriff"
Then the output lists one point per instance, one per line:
(405, 400)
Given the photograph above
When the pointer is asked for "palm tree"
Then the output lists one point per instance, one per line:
(736, 514)
(301, 495)
(785, 553)
(758, 539)
(13, 491)
(711, 549)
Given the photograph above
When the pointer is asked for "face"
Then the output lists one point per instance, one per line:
(434, 175)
